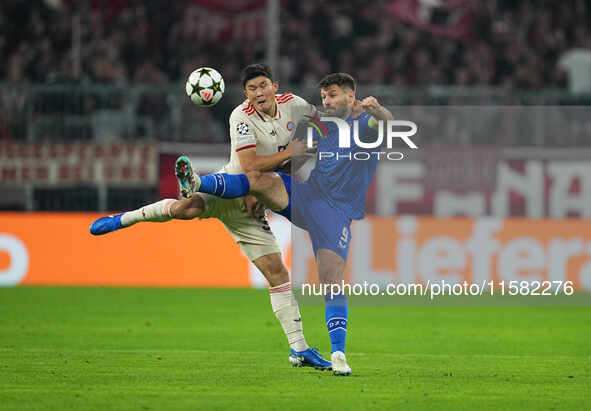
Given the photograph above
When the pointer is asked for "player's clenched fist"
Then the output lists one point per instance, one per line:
(370, 105)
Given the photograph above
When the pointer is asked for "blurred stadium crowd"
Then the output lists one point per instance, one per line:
(510, 45)
(513, 43)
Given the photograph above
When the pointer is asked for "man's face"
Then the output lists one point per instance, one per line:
(260, 91)
(337, 100)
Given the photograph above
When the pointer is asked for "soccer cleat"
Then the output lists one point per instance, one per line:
(189, 182)
(308, 358)
(339, 364)
(105, 225)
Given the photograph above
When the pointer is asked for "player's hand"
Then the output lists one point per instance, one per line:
(357, 109)
(370, 105)
(299, 148)
(253, 206)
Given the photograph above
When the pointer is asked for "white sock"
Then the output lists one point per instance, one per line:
(287, 312)
(156, 212)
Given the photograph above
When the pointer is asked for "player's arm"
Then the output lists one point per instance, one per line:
(250, 161)
(377, 112)
(246, 141)
(302, 110)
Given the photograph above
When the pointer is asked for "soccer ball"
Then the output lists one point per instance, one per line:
(205, 86)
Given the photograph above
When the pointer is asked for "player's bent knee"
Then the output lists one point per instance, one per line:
(188, 208)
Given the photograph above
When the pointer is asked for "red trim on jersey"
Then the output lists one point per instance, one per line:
(245, 147)
(249, 109)
(283, 95)
(284, 101)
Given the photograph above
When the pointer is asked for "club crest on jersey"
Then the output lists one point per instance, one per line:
(242, 128)
(290, 125)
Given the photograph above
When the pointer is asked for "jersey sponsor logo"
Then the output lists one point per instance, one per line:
(290, 125)
(242, 128)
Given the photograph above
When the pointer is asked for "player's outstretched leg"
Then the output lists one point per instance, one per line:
(269, 188)
(159, 212)
(163, 210)
(218, 184)
(156, 212)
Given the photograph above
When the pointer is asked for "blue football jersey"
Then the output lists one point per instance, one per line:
(343, 179)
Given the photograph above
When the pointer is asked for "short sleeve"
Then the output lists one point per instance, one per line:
(302, 109)
(242, 132)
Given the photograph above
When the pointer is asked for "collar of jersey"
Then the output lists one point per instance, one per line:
(264, 116)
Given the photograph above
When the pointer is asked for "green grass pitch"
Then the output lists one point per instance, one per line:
(186, 349)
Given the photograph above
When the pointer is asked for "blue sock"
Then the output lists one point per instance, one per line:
(225, 185)
(336, 314)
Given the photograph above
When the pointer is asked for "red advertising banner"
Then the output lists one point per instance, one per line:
(79, 163)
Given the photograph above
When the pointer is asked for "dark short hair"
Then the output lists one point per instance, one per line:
(255, 70)
(340, 79)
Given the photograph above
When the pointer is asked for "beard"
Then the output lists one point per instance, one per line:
(338, 111)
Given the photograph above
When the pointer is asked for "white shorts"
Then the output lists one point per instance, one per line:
(253, 234)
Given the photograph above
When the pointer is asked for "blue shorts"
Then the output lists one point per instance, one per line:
(328, 227)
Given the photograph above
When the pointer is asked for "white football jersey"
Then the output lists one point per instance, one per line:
(250, 128)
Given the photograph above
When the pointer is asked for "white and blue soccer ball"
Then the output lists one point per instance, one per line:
(205, 86)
